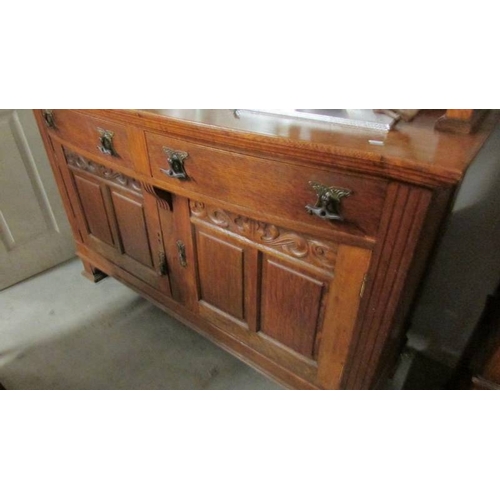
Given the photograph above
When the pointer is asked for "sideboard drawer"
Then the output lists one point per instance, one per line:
(271, 187)
(104, 139)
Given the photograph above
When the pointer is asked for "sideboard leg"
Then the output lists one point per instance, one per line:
(92, 273)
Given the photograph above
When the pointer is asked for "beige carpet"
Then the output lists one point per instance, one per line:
(60, 331)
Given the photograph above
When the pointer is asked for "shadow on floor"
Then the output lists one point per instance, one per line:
(119, 341)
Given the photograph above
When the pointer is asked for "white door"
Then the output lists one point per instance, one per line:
(34, 232)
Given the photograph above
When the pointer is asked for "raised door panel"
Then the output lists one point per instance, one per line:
(220, 268)
(227, 278)
(291, 306)
(132, 227)
(94, 211)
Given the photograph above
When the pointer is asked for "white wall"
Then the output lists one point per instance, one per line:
(466, 267)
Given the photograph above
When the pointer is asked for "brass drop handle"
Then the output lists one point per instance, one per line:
(106, 142)
(175, 160)
(328, 203)
(48, 117)
(181, 249)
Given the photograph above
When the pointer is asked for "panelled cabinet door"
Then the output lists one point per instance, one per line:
(290, 296)
(116, 217)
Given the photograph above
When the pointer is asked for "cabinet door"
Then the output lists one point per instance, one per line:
(290, 296)
(116, 217)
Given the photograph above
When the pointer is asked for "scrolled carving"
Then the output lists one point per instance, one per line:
(303, 247)
(198, 208)
(77, 161)
(321, 252)
(219, 218)
(293, 243)
(244, 224)
(268, 232)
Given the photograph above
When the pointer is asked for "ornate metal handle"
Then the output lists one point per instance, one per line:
(328, 202)
(106, 140)
(181, 249)
(48, 117)
(176, 161)
(162, 264)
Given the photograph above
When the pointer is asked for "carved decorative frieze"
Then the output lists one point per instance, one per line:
(300, 246)
(77, 161)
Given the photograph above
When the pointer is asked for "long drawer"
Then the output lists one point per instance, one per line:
(287, 191)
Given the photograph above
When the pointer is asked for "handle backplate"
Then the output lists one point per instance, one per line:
(48, 117)
(175, 160)
(106, 139)
(328, 203)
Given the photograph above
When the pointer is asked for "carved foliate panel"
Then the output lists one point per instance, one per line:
(77, 161)
(294, 244)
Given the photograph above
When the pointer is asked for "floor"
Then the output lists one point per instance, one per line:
(60, 331)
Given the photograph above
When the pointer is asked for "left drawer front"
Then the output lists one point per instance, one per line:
(103, 139)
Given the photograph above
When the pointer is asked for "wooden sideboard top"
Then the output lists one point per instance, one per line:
(412, 152)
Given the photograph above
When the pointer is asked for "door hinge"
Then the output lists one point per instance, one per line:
(162, 264)
(162, 258)
(181, 249)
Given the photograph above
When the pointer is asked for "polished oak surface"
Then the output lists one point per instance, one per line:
(232, 248)
(421, 152)
(268, 186)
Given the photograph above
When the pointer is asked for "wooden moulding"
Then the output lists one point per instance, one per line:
(389, 269)
(345, 150)
(461, 121)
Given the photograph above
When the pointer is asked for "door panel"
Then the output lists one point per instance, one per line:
(220, 267)
(291, 306)
(290, 296)
(132, 228)
(34, 231)
(116, 217)
(94, 209)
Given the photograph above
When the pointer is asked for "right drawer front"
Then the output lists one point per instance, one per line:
(269, 187)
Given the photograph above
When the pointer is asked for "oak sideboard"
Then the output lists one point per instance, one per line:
(297, 247)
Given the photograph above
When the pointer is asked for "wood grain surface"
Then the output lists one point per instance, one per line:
(311, 302)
